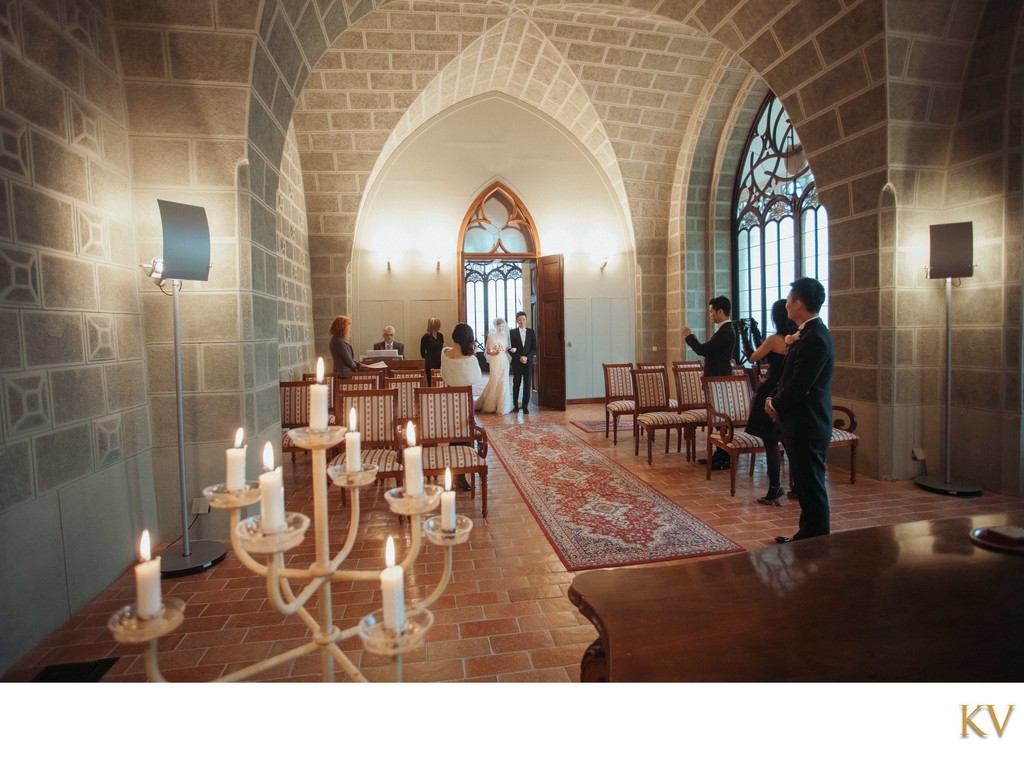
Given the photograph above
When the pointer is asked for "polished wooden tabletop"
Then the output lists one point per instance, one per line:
(910, 602)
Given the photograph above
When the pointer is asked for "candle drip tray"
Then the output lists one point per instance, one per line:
(129, 628)
(380, 640)
(250, 535)
(220, 497)
(437, 535)
(308, 438)
(402, 504)
(346, 479)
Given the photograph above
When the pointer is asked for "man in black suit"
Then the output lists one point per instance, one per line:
(717, 353)
(523, 349)
(389, 342)
(802, 403)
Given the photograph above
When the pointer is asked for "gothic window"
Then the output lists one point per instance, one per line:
(781, 229)
(497, 237)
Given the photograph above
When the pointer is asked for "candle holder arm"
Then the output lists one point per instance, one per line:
(353, 531)
(277, 582)
(442, 584)
(271, 662)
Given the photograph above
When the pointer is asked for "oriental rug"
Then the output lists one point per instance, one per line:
(594, 512)
(597, 426)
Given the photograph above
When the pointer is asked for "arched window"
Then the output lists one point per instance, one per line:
(780, 228)
(497, 237)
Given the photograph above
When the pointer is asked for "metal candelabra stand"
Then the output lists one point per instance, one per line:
(248, 539)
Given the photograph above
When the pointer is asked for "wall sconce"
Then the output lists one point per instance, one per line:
(438, 262)
(389, 263)
(604, 263)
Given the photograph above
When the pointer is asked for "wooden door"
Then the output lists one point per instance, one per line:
(550, 370)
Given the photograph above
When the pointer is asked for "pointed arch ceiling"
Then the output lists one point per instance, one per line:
(627, 84)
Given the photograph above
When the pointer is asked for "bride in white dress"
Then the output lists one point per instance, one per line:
(497, 396)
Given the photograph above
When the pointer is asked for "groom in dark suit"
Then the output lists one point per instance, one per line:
(523, 348)
(802, 403)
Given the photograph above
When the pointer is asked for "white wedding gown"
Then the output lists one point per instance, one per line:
(497, 396)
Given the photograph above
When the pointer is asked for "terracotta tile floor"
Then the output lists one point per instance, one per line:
(504, 617)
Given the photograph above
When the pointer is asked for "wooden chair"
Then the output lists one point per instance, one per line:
(653, 411)
(690, 395)
(375, 420)
(294, 412)
(729, 400)
(377, 374)
(446, 418)
(435, 379)
(405, 407)
(618, 397)
(650, 365)
(350, 384)
(843, 435)
(407, 373)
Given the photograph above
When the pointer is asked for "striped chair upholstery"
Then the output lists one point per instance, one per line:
(690, 395)
(377, 375)
(294, 411)
(406, 385)
(653, 411)
(436, 381)
(329, 381)
(618, 396)
(843, 435)
(406, 373)
(375, 420)
(358, 384)
(446, 418)
(729, 400)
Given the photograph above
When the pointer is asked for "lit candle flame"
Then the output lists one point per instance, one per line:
(268, 457)
(352, 420)
(389, 552)
(410, 434)
(319, 369)
(238, 438)
(447, 478)
(144, 546)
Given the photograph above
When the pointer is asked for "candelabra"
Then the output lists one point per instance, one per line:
(379, 632)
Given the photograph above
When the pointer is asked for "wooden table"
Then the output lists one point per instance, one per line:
(911, 602)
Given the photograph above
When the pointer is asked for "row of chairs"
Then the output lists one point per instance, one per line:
(446, 427)
(720, 404)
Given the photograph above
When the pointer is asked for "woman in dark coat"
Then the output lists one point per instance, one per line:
(430, 346)
(341, 350)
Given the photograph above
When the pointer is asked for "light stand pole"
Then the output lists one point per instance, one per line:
(952, 253)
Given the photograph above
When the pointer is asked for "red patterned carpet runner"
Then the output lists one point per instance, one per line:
(594, 512)
(597, 426)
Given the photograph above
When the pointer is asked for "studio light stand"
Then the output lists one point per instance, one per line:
(951, 254)
(186, 236)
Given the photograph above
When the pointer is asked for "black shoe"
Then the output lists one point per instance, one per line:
(792, 495)
(462, 484)
(771, 499)
(702, 461)
(722, 465)
(783, 540)
(515, 408)
(526, 410)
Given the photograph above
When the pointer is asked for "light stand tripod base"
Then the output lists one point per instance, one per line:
(203, 556)
(952, 487)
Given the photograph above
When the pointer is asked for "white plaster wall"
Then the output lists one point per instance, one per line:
(414, 210)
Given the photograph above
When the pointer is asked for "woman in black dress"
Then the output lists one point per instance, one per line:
(760, 424)
(430, 346)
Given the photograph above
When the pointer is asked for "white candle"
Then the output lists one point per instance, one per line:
(353, 446)
(236, 464)
(147, 582)
(448, 503)
(392, 587)
(271, 494)
(318, 399)
(413, 461)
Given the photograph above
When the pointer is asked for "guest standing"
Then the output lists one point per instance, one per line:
(524, 353)
(717, 353)
(341, 350)
(460, 367)
(430, 346)
(802, 403)
(773, 351)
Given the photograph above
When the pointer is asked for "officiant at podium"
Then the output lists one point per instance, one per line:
(389, 343)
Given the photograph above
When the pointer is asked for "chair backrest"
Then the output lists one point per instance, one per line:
(358, 384)
(406, 386)
(740, 370)
(687, 363)
(294, 403)
(329, 381)
(689, 388)
(445, 415)
(650, 365)
(730, 395)
(618, 383)
(376, 374)
(435, 378)
(406, 373)
(375, 415)
(650, 389)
